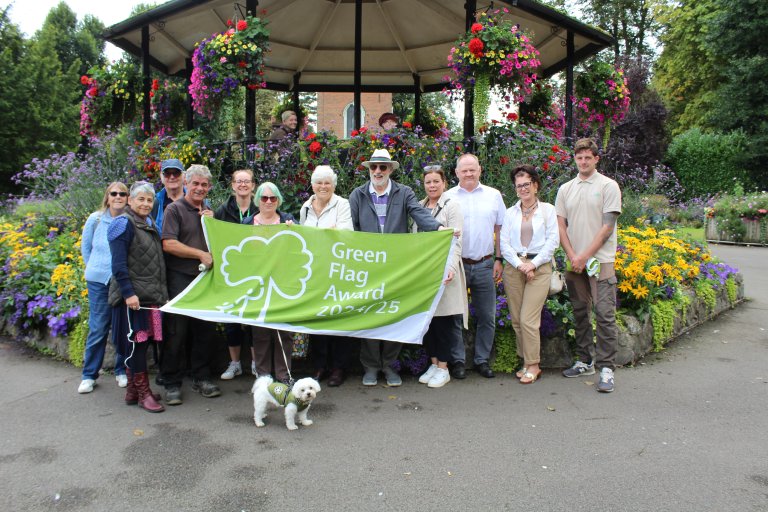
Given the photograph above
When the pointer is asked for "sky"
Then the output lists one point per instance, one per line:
(29, 15)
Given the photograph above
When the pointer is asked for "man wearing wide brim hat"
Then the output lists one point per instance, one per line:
(382, 205)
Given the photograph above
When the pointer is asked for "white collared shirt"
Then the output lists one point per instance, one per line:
(546, 235)
(483, 209)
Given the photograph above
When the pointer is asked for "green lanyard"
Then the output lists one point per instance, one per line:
(247, 213)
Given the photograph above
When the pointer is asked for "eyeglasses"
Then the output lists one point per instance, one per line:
(524, 186)
(268, 199)
(243, 182)
(121, 194)
(381, 167)
(171, 172)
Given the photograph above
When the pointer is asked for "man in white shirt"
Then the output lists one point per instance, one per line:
(483, 210)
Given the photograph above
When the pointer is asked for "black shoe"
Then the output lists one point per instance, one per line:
(173, 395)
(459, 371)
(159, 380)
(485, 370)
(206, 388)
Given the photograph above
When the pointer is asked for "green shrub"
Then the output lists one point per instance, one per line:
(707, 163)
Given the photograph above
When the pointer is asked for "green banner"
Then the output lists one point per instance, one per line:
(323, 281)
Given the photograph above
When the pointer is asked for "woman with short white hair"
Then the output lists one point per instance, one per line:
(330, 354)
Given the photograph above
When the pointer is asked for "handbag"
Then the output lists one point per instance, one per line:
(556, 281)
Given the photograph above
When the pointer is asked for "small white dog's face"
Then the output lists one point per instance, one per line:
(304, 391)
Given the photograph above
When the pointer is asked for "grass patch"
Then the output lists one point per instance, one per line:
(695, 234)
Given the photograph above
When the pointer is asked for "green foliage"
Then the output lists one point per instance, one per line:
(630, 22)
(78, 44)
(731, 210)
(435, 107)
(76, 347)
(706, 293)
(707, 163)
(732, 290)
(663, 319)
(506, 360)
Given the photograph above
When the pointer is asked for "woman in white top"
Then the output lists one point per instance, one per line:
(529, 237)
(330, 354)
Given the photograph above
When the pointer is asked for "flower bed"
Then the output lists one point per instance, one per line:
(739, 218)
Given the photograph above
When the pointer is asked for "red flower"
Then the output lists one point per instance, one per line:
(407, 125)
(476, 47)
(229, 23)
(253, 86)
(512, 116)
(354, 133)
(85, 80)
(155, 84)
(545, 166)
(151, 94)
(373, 137)
(315, 147)
(504, 160)
(242, 25)
(555, 148)
(363, 129)
(476, 27)
(311, 136)
(241, 64)
(92, 92)
(551, 158)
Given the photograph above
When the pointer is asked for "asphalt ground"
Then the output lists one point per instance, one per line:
(685, 430)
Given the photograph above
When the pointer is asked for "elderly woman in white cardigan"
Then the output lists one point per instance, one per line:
(330, 354)
(444, 331)
(529, 237)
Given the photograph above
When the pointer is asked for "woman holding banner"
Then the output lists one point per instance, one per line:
(327, 210)
(452, 310)
(271, 349)
(239, 206)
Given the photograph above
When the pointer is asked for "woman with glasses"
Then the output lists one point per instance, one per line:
(266, 344)
(451, 314)
(529, 237)
(330, 354)
(137, 291)
(238, 207)
(98, 271)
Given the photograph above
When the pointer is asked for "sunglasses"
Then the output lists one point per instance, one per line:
(268, 199)
(173, 172)
(381, 167)
(121, 194)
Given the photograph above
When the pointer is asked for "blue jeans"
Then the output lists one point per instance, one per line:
(483, 296)
(99, 322)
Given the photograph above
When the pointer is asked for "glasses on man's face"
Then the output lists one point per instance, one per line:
(381, 167)
(115, 194)
(172, 172)
(268, 199)
(243, 182)
(524, 186)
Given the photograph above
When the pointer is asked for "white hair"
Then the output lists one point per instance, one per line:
(324, 172)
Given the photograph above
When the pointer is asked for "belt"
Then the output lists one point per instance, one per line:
(527, 256)
(470, 261)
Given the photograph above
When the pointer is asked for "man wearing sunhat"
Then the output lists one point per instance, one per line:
(382, 205)
(173, 189)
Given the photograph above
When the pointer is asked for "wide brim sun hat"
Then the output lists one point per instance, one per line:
(381, 156)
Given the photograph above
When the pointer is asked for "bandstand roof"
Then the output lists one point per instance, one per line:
(316, 38)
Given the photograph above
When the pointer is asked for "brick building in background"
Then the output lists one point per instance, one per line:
(335, 112)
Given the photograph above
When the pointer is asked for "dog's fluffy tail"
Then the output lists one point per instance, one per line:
(261, 382)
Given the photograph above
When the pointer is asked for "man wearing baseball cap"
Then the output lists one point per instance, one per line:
(382, 205)
(173, 189)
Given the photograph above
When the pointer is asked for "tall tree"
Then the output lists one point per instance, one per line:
(687, 73)
(73, 40)
(630, 22)
(737, 42)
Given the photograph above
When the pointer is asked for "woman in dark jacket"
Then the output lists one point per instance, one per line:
(238, 207)
(137, 289)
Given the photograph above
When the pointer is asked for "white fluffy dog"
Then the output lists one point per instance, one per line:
(296, 400)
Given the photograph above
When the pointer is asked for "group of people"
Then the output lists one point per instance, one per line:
(142, 248)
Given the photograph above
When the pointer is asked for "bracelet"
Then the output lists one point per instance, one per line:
(499, 258)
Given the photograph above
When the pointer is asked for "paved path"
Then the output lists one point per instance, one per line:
(685, 430)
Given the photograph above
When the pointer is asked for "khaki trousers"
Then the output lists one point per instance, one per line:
(525, 300)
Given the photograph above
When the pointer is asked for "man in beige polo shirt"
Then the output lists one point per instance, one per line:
(587, 208)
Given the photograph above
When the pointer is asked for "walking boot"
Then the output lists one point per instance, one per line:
(131, 393)
(146, 397)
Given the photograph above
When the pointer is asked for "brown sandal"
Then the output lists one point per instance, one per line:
(529, 378)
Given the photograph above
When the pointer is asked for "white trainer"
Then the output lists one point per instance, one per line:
(86, 386)
(233, 370)
(428, 374)
(253, 369)
(122, 381)
(440, 378)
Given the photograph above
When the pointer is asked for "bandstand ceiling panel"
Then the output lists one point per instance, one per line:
(400, 38)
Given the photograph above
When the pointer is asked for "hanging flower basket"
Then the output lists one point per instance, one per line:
(494, 54)
(226, 61)
(602, 97)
